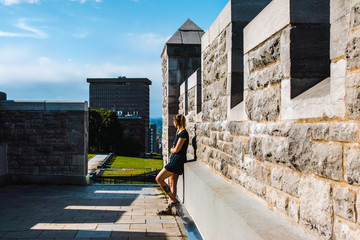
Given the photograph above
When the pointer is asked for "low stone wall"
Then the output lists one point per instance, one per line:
(223, 211)
(295, 148)
(47, 141)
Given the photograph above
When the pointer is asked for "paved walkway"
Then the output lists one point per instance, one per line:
(95, 161)
(86, 212)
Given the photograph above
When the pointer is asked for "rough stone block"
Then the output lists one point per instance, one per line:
(299, 152)
(276, 178)
(238, 151)
(257, 188)
(275, 150)
(355, 16)
(78, 160)
(266, 54)
(353, 80)
(294, 210)
(327, 160)
(291, 183)
(342, 231)
(263, 105)
(239, 128)
(262, 173)
(316, 208)
(353, 102)
(320, 131)
(261, 79)
(344, 131)
(352, 165)
(358, 207)
(352, 53)
(279, 201)
(256, 147)
(279, 129)
(344, 203)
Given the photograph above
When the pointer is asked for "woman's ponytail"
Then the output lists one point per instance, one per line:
(180, 120)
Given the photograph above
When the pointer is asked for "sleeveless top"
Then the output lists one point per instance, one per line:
(183, 150)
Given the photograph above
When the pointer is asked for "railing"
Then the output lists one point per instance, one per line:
(106, 160)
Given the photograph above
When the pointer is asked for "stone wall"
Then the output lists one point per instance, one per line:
(47, 141)
(299, 153)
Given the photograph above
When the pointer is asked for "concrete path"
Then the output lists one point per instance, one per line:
(95, 161)
(86, 212)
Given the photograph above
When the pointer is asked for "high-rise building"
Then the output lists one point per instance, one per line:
(129, 97)
(154, 145)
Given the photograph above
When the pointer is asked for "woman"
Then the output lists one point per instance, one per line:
(176, 165)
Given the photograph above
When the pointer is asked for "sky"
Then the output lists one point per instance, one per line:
(49, 47)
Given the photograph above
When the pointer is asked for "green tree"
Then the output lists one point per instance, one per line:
(106, 134)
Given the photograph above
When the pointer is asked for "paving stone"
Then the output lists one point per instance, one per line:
(58, 234)
(148, 238)
(170, 225)
(129, 233)
(23, 234)
(92, 234)
(146, 226)
(112, 227)
(164, 232)
(164, 221)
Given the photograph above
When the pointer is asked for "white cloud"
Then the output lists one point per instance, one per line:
(84, 1)
(29, 32)
(11, 2)
(81, 35)
(22, 67)
(148, 41)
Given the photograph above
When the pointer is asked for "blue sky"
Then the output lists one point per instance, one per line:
(49, 47)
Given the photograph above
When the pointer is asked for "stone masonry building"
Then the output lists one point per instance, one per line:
(273, 115)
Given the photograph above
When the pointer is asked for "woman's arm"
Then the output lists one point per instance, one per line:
(178, 146)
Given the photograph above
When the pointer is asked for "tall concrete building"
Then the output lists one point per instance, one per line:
(129, 97)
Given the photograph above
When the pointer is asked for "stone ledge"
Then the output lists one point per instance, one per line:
(47, 179)
(241, 216)
(277, 15)
(11, 105)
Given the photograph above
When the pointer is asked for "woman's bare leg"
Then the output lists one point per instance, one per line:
(160, 179)
(173, 185)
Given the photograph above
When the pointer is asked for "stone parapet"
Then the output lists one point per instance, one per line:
(45, 140)
(12, 105)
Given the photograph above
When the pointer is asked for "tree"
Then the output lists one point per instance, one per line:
(106, 134)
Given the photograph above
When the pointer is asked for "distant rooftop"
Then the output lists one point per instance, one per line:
(117, 80)
(188, 33)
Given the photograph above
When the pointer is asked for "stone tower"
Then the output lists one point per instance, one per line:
(180, 58)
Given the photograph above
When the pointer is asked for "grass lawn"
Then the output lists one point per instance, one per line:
(135, 163)
(125, 172)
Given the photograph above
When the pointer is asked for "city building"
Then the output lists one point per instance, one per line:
(154, 144)
(129, 97)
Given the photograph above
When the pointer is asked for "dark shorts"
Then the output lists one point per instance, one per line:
(176, 164)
